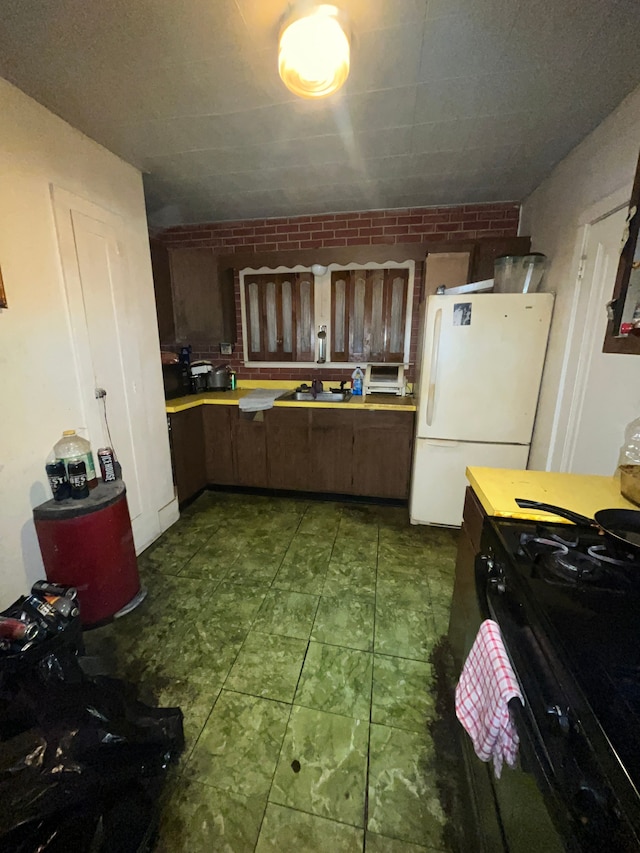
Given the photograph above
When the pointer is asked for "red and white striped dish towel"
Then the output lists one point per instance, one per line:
(486, 685)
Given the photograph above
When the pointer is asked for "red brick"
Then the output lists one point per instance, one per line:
(311, 244)
(435, 217)
(425, 228)
(463, 235)
(371, 232)
(287, 229)
(265, 229)
(412, 238)
(269, 247)
(320, 235)
(335, 241)
(365, 222)
(396, 229)
(359, 241)
(410, 220)
(349, 232)
(387, 238)
(328, 217)
(449, 226)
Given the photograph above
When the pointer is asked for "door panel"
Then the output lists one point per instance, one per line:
(438, 481)
(481, 366)
(100, 274)
(382, 445)
(288, 443)
(218, 445)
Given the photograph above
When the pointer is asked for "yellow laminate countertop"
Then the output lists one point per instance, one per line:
(371, 403)
(497, 489)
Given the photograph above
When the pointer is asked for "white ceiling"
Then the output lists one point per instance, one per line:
(448, 101)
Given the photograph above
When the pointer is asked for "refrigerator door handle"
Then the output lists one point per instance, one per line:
(433, 373)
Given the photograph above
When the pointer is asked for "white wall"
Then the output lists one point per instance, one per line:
(592, 180)
(38, 390)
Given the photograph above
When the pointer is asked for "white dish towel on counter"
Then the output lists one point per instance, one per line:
(486, 685)
(260, 399)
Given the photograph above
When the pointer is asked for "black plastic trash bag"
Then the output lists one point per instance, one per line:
(82, 761)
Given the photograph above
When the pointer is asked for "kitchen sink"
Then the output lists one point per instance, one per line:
(320, 397)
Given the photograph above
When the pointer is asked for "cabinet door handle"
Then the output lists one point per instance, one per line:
(433, 373)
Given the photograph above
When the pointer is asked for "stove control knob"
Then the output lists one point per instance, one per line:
(561, 716)
(497, 583)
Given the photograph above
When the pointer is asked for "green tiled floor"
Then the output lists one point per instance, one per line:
(296, 636)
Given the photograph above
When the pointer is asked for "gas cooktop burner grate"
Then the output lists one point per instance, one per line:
(571, 562)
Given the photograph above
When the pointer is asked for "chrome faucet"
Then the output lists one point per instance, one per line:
(316, 388)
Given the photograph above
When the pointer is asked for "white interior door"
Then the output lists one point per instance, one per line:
(438, 483)
(482, 360)
(605, 395)
(94, 281)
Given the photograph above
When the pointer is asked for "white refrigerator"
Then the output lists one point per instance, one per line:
(480, 360)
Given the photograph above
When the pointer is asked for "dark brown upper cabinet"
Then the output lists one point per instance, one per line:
(280, 316)
(622, 336)
(368, 314)
(195, 300)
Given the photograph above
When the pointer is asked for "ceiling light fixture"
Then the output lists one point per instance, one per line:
(313, 56)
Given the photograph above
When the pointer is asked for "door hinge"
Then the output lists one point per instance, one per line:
(581, 267)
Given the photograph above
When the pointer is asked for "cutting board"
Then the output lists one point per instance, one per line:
(497, 489)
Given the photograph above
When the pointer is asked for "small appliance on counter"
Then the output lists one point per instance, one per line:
(385, 379)
(206, 377)
(177, 380)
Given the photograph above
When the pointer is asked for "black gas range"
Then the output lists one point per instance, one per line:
(569, 613)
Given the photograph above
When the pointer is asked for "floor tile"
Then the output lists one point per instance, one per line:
(268, 666)
(255, 567)
(202, 819)
(404, 633)
(337, 680)
(303, 571)
(355, 551)
(239, 746)
(344, 621)
(202, 653)
(411, 593)
(403, 797)
(402, 693)
(289, 830)
(211, 562)
(379, 844)
(195, 701)
(290, 614)
(232, 606)
(322, 766)
(346, 577)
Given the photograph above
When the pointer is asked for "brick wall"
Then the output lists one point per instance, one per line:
(373, 227)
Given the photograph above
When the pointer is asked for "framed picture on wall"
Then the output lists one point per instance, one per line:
(3, 295)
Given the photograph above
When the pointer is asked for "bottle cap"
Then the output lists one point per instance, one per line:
(69, 432)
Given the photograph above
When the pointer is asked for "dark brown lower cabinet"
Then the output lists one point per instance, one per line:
(248, 439)
(289, 448)
(463, 622)
(330, 466)
(217, 422)
(295, 449)
(382, 444)
(187, 452)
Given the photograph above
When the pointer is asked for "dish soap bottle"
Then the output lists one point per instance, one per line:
(357, 378)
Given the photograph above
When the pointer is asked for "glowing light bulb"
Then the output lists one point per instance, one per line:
(313, 59)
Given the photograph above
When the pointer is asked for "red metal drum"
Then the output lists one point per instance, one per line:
(88, 544)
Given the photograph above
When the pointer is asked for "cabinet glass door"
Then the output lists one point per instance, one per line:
(280, 317)
(368, 314)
